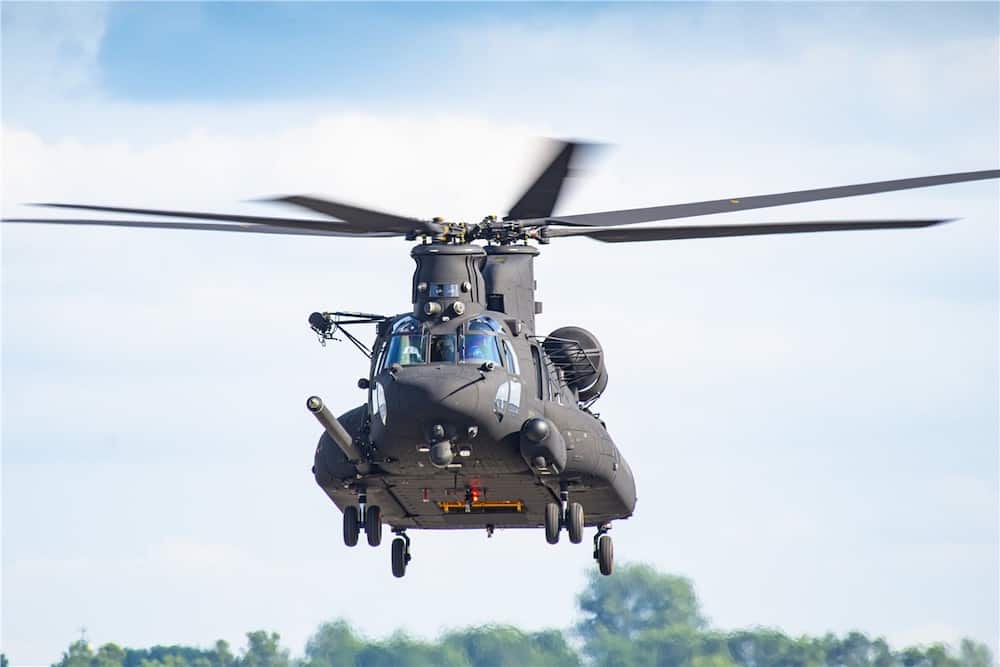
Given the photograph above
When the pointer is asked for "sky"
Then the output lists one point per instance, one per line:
(812, 420)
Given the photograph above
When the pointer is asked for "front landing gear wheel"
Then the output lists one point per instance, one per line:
(352, 526)
(605, 555)
(574, 522)
(553, 522)
(400, 556)
(373, 525)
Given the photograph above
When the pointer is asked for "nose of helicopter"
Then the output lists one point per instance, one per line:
(421, 400)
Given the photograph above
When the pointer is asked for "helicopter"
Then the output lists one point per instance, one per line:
(473, 420)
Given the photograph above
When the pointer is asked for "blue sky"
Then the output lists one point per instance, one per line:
(813, 421)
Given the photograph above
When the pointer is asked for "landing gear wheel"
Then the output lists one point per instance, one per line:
(373, 525)
(399, 557)
(553, 522)
(605, 555)
(352, 526)
(574, 522)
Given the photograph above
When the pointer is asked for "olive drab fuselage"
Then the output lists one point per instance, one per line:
(469, 422)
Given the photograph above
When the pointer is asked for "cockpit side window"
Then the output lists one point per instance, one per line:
(555, 385)
(537, 362)
(511, 358)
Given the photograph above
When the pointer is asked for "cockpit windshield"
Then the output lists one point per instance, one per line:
(476, 343)
(407, 350)
(480, 348)
(408, 345)
(480, 342)
(444, 349)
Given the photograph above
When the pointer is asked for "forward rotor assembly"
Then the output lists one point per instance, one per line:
(532, 215)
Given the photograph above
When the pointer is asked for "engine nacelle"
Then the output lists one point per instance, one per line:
(576, 352)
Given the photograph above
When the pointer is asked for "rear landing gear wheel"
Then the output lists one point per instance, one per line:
(553, 522)
(352, 526)
(373, 525)
(574, 522)
(400, 556)
(605, 555)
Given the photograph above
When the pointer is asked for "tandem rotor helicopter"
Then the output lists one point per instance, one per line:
(473, 419)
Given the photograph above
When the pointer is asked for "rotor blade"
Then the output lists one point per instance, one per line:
(635, 215)
(673, 233)
(539, 200)
(360, 218)
(204, 226)
(319, 225)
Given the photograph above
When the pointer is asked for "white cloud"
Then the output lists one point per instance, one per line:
(50, 50)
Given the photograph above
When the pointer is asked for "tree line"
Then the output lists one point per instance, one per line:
(637, 618)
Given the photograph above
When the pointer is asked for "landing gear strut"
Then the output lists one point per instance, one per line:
(400, 554)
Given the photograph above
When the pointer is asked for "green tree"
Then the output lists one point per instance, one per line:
(507, 646)
(638, 618)
(77, 655)
(222, 656)
(399, 650)
(619, 612)
(770, 648)
(263, 650)
(332, 645)
(636, 599)
(168, 656)
(109, 655)
(974, 654)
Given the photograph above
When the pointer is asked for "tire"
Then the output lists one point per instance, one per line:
(398, 557)
(373, 525)
(552, 523)
(574, 522)
(352, 526)
(605, 555)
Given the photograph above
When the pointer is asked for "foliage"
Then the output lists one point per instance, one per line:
(637, 618)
